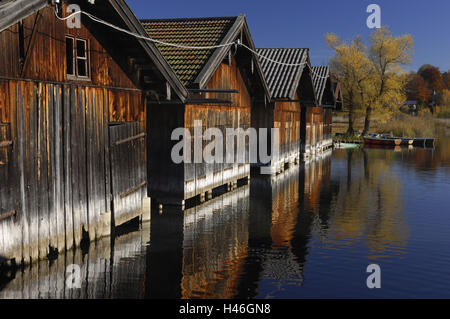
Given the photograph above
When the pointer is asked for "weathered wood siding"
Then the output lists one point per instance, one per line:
(327, 127)
(313, 130)
(203, 177)
(46, 60)
(287, 119)
(61, 168)
(174, 183)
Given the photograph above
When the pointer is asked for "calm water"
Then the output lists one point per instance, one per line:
(309, 233)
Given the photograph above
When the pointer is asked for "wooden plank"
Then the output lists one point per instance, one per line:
(42, 172)
(75, 157)
(17, 128)
(106, 160)
(58, 164)
(67, 168)
(130, 139)
(31, 111)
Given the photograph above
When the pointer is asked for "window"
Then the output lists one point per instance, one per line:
(77, 59)
(70, 56)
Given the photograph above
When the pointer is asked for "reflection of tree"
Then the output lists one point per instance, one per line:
(370, 205)
(426, 159)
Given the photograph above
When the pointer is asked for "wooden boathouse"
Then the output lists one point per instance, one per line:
(329, 98)
(292, 92)
(73, 111)
(224, 84)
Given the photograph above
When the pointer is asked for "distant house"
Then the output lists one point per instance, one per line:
(292, 93)
(224, 84)
(329, 98)
(72, 124)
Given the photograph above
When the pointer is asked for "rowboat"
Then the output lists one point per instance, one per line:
(343, 145)
(382, 141)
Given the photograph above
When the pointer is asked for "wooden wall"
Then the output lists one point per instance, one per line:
(65, 175)
(313, 129)
(327, 123)
(287, 119)
(61, 169)
(46, 60)
(286, 116)
(172, 183)
(203, 177)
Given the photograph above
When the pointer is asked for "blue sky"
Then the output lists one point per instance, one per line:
(303, 23)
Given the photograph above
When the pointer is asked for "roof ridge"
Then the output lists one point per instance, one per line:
(283, 48)
(188, 19)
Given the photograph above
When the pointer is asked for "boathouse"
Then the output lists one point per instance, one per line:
(224, 84)
(293, 94)
(73, 110)
(320, 117)
(329, 98)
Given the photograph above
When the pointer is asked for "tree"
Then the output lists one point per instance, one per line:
(352, 68)
(388, 55)
(446, 79)
(371, 78)
(432, 77)
(416, 89)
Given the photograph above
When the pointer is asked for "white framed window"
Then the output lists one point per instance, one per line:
(77, 58)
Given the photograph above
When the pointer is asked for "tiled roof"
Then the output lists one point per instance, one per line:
(283, 80)
(188, 63)
(320, 75)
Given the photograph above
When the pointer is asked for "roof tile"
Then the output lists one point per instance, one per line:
(188, 63)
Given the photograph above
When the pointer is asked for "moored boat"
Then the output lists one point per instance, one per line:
(424, 142)
(382, 141)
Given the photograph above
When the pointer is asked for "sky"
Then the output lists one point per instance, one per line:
(303, 23)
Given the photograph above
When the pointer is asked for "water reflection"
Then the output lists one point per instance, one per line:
(369, 204)
(308, 232)
(199, 253)
(108, 270)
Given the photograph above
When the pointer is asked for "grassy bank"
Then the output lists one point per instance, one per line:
(402, 125)
(410, 126)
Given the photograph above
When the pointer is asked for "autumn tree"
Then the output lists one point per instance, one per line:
(388, 54)
(416, 89)
(352, 68)
(446, 79)
(372, 77)
(432, 77)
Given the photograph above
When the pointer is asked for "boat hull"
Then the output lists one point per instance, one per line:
(382, 141)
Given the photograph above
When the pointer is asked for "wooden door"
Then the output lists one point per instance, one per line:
(128, 170)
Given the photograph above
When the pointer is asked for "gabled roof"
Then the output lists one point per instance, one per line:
(282, 80)
(188, 63)
(321, 78)
(195, 67)
(115, 11)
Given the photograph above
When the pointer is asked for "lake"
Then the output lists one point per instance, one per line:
(310, 232)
